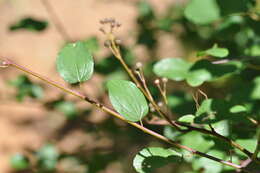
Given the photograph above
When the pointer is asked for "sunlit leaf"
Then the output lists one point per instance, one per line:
(215, 51)
(148, 159)
(194, 140)
(75, 63)
(202, 11)
(186, 119)
(249, 144)
(127, 99)
(172, 68)
(237, 109)
(209, 166)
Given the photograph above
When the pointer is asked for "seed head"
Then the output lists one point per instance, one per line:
(160, 104)
(118, 41)
(157, 82)
(139, 65)
(4, 64)
(165, 80)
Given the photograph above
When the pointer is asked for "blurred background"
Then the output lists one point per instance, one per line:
(59, 133)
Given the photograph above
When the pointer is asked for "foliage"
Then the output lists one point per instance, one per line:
(29, 24)
(25, 87)
(213, 92)
(127, 99)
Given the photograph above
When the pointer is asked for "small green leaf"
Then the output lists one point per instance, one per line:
(48, 157)
(215, 51)
(172, 68)
(218, 52)
(25, 87)
(19, 162)
(68, 108)
(202, 11)
(198, 77)
(237, 109)
(127, 99)
(221, 127)
(29, 24)
(75, 63)
(186, 119)
(148, 159)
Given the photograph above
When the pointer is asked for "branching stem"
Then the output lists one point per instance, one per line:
(116, 115)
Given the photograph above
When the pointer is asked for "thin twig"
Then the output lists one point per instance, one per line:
(115, 114)
(175, 124)
(144, 88)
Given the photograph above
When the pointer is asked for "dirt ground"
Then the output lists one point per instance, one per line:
(20, 124)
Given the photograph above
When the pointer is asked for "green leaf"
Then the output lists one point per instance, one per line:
(249, 144)
(221, 127)
(195, 141)
(197, 73)
(186, 119)
(145, 9)
(172, 68)
(202, 11)
(19, 162)
(209, 166)
(127, 99)
(29, 24)
(148, 159)
(68, 108)
(215, 51)
(170, 132)
(25, 87)
(237, 109)
(47, 157)
(198, 76)
(75, 63)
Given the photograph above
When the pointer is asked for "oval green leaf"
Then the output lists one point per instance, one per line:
(75, 63)
(202, 11)
(186, 118)
(127, 99)
(172, 68)
(218, 52)
(238, 109)
(151, 158)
